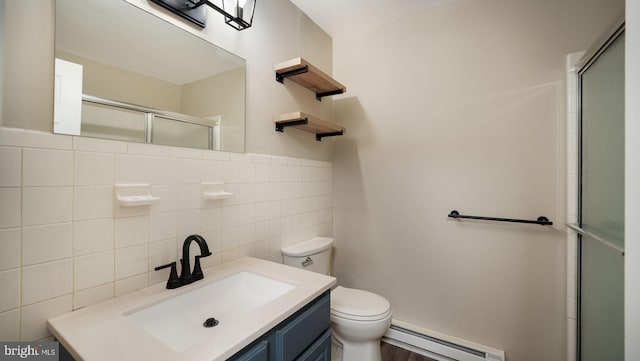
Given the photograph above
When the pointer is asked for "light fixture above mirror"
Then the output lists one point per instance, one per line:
(237, 13)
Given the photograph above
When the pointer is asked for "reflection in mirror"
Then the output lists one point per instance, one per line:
(125, 74)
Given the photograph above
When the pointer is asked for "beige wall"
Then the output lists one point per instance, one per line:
(461, 106)
(280, 31)
(221, 99)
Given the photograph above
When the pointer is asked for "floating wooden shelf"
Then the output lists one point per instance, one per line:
(307, 75)
(321, 128)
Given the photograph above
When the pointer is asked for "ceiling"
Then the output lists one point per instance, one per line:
(338, 17)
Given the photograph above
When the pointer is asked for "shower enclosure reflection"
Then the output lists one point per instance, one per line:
(125, 74)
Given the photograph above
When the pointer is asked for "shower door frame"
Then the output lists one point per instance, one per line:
(588, 59)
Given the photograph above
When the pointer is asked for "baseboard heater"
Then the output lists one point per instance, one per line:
(437, 346)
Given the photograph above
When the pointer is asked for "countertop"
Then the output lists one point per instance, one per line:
(102, 332)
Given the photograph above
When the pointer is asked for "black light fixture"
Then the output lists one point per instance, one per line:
(237, 13)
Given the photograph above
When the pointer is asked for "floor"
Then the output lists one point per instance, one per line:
(393, 353)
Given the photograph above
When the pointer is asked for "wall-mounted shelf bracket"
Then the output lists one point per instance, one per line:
(281, 76)
(283, 124)
(319, 136)
(319, 96)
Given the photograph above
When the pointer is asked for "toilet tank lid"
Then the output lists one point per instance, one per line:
(308, 247)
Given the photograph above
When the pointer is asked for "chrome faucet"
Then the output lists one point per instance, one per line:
(186, 275)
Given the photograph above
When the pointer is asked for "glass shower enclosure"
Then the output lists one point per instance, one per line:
(601, 203)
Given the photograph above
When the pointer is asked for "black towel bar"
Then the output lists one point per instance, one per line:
(542, 220)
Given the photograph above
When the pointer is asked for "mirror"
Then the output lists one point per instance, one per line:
(123, 73)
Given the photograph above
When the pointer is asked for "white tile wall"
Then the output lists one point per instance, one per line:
(64, 244)
(100, 145)
(189, 171)
(131, 284)
(45, 167)
(11, 165)
(47, 243)
(92, 202)
(93, 270)
(46, 280)
(92, 295)
(34, 317)
(10, 207)
(10, 322)
(162, 226)
(10, 244)
(93, 236)
(131, 231)
(46, 205)
(131, 261)
(10, 296)
(163, 170)
(94, 169)
(132, 169)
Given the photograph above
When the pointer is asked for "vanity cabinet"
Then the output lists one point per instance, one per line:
(259, 352)
(305, 336)
(320, 350)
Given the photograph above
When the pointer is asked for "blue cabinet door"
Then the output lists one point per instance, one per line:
(320, 350)
(304, 336)
(303, 330)
(259, 352)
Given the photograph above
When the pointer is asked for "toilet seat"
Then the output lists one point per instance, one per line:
(358, 305)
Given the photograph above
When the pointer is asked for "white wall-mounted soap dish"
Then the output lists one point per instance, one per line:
(134, 195)
(214, 190)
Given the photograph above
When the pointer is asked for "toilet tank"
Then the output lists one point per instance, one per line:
(312, 255)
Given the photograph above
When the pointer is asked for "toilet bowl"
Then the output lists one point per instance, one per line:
(358, 318)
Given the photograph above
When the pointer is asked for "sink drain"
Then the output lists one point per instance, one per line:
(210, 322)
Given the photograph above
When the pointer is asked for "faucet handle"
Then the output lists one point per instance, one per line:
(174, 281)
(172, 264)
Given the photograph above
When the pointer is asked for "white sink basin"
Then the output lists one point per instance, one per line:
(178, 322)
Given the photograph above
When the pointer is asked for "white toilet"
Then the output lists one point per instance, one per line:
(358, 318)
